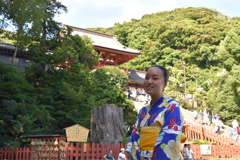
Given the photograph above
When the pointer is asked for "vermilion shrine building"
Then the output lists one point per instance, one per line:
(113, 53)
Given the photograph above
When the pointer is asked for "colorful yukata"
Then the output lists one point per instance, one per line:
(157, 132)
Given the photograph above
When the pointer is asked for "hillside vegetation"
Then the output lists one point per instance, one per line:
(203, 41)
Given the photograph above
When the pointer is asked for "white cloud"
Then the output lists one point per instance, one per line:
(104, 13)
(135, 9)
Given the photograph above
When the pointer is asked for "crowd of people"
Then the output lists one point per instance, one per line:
(206, 117)
(135, 93)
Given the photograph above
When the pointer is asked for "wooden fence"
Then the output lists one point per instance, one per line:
(217, 151)
(193, 131)
(47, 148)
(15, 154)
(94, 151)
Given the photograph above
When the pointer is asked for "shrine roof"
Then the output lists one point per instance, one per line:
(103, 40)
(77, 125)
(136, 76)
(7, 48)
(46, 136)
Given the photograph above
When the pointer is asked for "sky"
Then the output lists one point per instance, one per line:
(105, 13)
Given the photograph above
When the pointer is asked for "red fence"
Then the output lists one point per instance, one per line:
(217, 151)
(76, 151)
(15, 154)
(88, 151)
(73, 151)
(199, 132)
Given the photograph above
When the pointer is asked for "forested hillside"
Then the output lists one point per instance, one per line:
(202, 41)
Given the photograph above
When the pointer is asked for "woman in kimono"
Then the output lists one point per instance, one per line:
(157, 132)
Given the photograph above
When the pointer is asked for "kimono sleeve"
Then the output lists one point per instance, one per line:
(133, 142)
(167, 145)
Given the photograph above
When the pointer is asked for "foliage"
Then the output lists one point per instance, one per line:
(204, 39)
(20, 116)
(64, 83)
(109, 87)
(30, 20)
(199, 141)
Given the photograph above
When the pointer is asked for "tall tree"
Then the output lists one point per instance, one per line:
(20, 114)
(29, 19)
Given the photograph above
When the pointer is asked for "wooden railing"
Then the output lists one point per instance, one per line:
(193, 131)
(15, 154)
(217, 151)
(92, 151)
(224, 148)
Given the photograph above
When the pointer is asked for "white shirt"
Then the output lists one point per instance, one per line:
(195, 113)
(121, 156)
(235, 124)
(189, 153)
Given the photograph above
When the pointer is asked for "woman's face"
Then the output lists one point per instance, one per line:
(154, 82)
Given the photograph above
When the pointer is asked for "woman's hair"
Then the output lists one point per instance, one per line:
(165, 72)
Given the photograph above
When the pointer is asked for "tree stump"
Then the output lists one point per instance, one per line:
(107, 124)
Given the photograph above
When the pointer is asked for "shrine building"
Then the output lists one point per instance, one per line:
(112, 51)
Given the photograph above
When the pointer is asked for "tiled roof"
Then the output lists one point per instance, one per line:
(6, 48)
(136, 76)
(103, 40)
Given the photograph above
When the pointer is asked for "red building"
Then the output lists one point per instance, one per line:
(112, 51)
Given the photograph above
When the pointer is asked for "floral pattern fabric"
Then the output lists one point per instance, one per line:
(166, 112)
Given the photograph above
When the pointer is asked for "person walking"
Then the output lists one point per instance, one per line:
(201, 116)
(235, 125)
(236, 131)
(209, 112)
(129, 92)
(218, 125)
(109, 155)
(121, 155)
(137, 94)
(184, 152)
(157, 131)
(195, 115)
(189, 152)
(205, 117)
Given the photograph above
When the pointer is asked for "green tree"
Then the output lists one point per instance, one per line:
(224, 95)
(229, 50)
(65, 81)
(30, 19)
(20, 116)
(109, 87)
